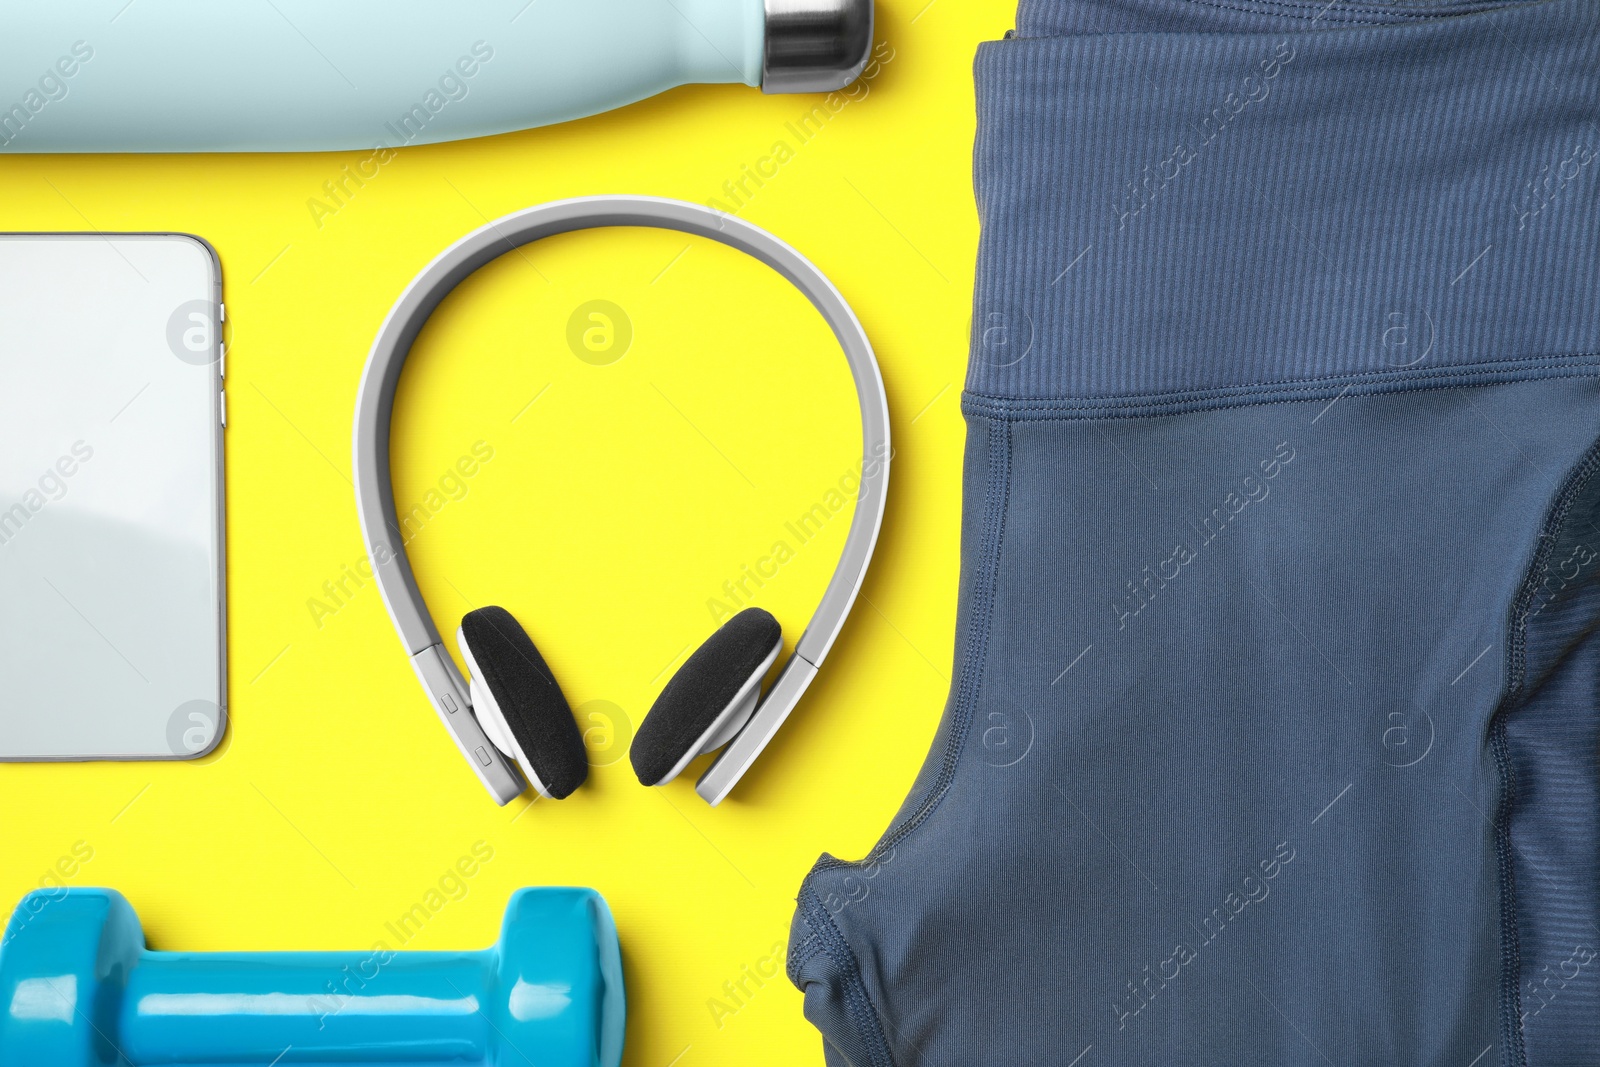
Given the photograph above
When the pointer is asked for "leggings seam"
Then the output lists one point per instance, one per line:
(1355, 16)
(1516, 1053)
(1379, 16)
(1293, 12)
(1362, 383)
(825, 935)
(997, 502)
(827, 938)
(801, 953)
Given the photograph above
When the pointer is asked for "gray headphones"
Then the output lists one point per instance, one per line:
(513, 713)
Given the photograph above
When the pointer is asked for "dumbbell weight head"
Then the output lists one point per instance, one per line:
(64, 951)
(78, 988)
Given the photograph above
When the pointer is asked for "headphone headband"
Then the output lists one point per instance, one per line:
(385, 541)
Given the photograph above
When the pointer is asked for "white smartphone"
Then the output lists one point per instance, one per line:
(112, 583)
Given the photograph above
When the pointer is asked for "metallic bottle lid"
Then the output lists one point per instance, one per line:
(815, 46)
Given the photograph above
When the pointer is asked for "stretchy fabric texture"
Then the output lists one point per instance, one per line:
(1274, 734)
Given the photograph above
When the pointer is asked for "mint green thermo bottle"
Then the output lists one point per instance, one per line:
(307, 75)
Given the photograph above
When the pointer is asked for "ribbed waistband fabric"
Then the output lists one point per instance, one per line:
(1191, 195)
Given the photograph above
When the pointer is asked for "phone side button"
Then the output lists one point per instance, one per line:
(222, 406)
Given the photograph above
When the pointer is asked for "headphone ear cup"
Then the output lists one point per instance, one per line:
(709, 699)
(519, 704)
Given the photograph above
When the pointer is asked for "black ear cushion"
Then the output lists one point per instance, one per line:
(700, 690)
(535, 709)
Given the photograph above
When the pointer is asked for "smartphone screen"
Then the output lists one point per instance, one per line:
(112, 612)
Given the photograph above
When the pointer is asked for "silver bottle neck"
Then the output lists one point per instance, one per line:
(815, 46)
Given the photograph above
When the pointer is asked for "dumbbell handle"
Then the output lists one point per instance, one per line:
(311, 1007)
(78, 988)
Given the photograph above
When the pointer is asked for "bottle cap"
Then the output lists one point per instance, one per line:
(815, 46)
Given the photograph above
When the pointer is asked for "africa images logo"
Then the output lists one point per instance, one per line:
(50, 87)
(51, 486)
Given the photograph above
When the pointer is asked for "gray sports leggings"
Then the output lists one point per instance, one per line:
(1273, 740)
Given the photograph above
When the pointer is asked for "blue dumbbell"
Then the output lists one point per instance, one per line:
(78, 988)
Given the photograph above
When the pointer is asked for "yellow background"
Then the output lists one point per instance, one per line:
(613, 508)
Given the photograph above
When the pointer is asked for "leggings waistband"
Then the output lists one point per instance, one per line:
(1289, 199)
